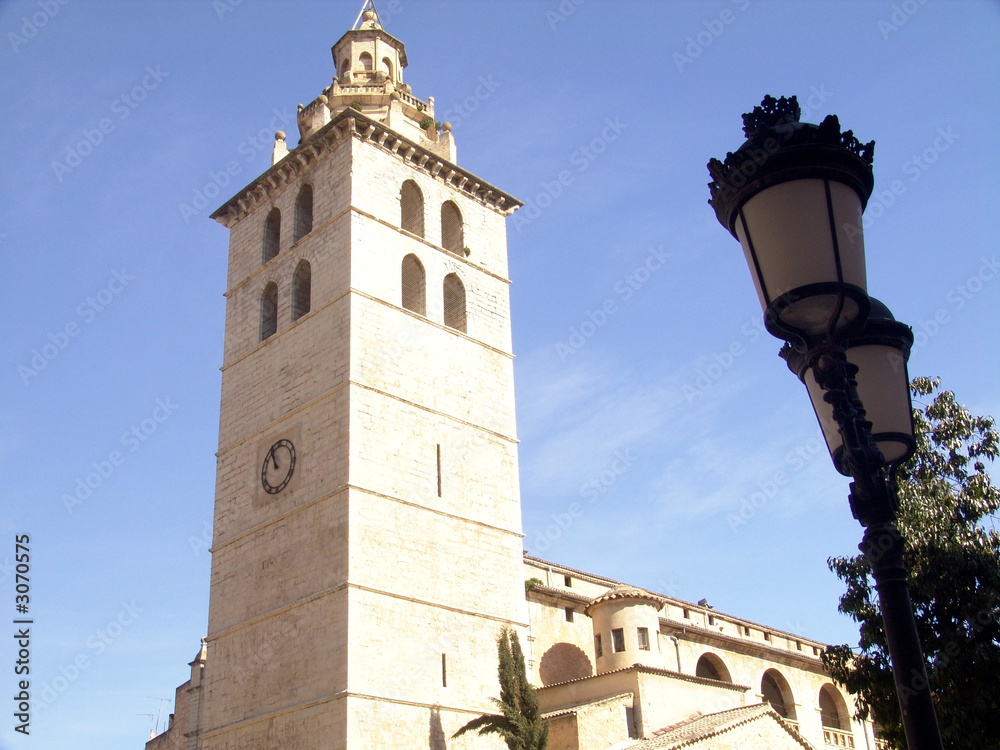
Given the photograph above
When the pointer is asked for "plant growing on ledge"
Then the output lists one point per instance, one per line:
(519, 722)
(356, 105)
(531, 582)
(426, 123)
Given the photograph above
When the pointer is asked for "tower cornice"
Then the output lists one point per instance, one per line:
(355, 124)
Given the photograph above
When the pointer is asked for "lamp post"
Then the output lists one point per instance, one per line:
(793, 195)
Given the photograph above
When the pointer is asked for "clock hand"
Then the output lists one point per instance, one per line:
(274, 460)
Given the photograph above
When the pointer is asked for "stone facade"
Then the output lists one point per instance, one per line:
(368, 335)
(706, 661)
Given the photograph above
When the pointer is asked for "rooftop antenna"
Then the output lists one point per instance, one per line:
(152, 731)
(368, 5)
(159, 711)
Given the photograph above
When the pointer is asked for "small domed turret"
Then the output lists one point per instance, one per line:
(626, 628)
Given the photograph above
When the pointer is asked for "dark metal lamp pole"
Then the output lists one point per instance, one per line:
(793, 195)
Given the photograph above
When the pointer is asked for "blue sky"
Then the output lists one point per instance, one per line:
(662, 441)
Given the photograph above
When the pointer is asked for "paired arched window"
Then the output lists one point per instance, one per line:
(303, 213)
(452, 235)
(454, 303)
(414, 285)
(301, 290)
(411, 205)
(712, 667)
(269, 311)
(776, 691)
(366, 61)
(833, 710)
(272, 236)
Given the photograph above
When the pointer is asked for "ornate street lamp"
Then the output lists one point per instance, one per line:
(880, 352)
(793, 195)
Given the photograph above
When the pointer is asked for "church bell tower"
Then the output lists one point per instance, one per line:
(368, 545)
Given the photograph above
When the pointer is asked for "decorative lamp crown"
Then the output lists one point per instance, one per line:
(793, 195)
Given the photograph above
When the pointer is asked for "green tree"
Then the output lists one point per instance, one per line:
(947, 516)
(519, 722)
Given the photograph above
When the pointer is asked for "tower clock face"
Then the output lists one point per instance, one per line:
(278, 467)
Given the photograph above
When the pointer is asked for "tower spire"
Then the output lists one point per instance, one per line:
(367, 15)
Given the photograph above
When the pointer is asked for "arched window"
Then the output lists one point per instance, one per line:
(833, 711)
(452, 236)
(414, 285)
(301, 289)
(269, 311)
(713, 668)
(411, 205)
(454, 303)
(387, 67)
(272, 236)
(303, 213)
(345, 66)
(777, 692)
(366, 61)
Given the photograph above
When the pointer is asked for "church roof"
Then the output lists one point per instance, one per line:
(693, 731)
(626, 592)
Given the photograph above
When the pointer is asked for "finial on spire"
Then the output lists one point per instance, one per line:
(368, 17)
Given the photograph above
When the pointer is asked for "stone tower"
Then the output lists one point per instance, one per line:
(367, 545)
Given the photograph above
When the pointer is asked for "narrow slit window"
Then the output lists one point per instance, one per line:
(444, 670)
(598, 648)
(439, 468)
(569, 614)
